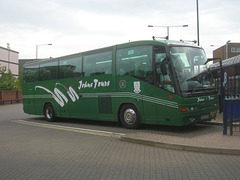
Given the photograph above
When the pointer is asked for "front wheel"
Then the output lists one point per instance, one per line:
(129, 116)
(49, 112)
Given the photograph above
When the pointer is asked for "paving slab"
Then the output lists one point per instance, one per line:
(207, 138)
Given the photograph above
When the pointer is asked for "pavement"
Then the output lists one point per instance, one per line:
(206, 138)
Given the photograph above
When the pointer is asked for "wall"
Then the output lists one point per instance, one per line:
(233, 50)
(9, 95)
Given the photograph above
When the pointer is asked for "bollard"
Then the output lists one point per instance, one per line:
(231, 116)
(225, 116)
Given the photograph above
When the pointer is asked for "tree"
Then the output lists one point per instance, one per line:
(7, 80)
(19, 80)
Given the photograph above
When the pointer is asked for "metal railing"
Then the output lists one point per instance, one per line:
(10, 100)
(231, 114)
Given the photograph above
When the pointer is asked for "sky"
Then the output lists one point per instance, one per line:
(73, 26)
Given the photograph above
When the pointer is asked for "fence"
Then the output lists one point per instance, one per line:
(231, 114)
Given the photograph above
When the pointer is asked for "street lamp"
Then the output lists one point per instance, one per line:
(40, 45)
(168, 28)
(227, 49)
(198, 39)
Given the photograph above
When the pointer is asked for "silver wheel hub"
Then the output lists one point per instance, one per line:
(130, 116)
(49, 113)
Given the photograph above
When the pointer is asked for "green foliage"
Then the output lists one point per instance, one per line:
(19, 80)
(8, 81)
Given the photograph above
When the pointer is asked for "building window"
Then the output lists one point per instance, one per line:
(235, 50)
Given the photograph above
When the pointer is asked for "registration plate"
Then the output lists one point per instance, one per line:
(205, 117)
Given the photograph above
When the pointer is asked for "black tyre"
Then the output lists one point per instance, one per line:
(129, 116)
(49, 113)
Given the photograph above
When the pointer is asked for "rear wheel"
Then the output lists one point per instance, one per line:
(49, 112)
(129, 116)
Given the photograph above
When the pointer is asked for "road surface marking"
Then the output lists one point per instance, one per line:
(72, 129)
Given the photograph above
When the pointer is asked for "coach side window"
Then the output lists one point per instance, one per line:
(48, 71)
(136, 62)
(30, 73)
(69, 68)
(97, 64)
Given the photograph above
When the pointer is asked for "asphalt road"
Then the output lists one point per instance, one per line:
(31, 148)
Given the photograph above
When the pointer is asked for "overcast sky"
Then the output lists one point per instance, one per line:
(78, 25)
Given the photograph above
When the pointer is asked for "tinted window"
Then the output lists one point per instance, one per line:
(163, 77)
(30, 74)
(70, 68)
(135, 61)
(97, 64)
(48, 71)
(160, 53)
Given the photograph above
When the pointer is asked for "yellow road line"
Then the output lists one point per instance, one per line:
(71, 129)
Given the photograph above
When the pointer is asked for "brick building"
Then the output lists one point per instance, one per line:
(9, 58)
(226, 51)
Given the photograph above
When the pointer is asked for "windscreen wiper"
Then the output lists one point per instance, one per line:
(197, 88)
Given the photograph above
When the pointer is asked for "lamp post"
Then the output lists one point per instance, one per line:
(40, 45)
(168, 28)
(198, 39)
(227, 49)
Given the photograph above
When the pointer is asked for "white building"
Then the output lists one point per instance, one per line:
(9, 58)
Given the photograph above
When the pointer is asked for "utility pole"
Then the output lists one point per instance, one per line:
(197, 24)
